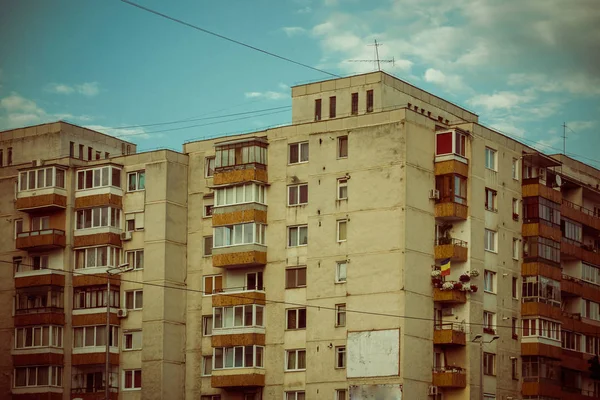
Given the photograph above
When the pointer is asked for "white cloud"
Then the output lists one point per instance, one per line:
(139, 133)
(293, 30)
(304, 10)
(89, 89)
(579, 126)
(283, 86)
(578, 84)
(503, 100)
(448, 82)
(60, 88)
(269, 95)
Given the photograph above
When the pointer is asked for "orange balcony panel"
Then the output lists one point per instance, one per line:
(449, 296)
(536, 189)
(456, 252)
(94, 280)
(451, 167)
(98, 318)
(240, 339)
(244, 377)
(43, 202)
(38, 396)
(224, 299)
(451, 211)
(47, 318)
(579, 214)
(449, 379)
(94, 358)
(53, 279)
(241, 259)
(239, 217)
(541, 349)
(228, 175)
(590, 256)
(541, 309)
(97, 239)
(47, 239)
(94, 396)
(543, 388)
(449, 337)
(574, 323)
(543, 230)
(575, 360)
(538, 268)
(20, 360)
(571, 251)
(97, 200)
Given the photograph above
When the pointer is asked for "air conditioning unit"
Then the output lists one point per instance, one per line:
(122, 313)
(126, 235)
(433, 390)
(446, 312)
(434, 194)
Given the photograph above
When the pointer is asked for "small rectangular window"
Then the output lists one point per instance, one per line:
(515, 335)
(207, 362)
(18, 227)
(490, 200)
(135, 258)
(340, 315)
(515, 209)
(295, 360)
(298, 194)
(489, 281)
(369, 101)
(341, 394)
(489, 364)
(490, 240)
(490, 158)
(514, 368)
(132, 379)
(106, 155)
(295, 277)
(90, 153)
(98, 155)
(298, 153)
(489, 322)
(342, 189)
(136, 181)
(354, 105)
(208, 244)
(296, 318)
(132, 340)
(207, 325)
(342, 230)
(212, 284)
(297, 236)
(295, 395)
(515, 286)
(134, 299)
(209, 168)
(340, 272)
(515, 169)
(71, 149)
(208, 210)
(332, 107)
(81, 151)
(515, 249)
(340, 357)
(342, 147)
(9, 156)
(317, 109)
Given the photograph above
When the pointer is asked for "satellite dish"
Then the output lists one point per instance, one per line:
(558, 180)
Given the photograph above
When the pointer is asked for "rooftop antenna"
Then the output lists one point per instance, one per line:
(376, 62)
(564, 125)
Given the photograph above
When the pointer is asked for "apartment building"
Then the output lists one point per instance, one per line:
(383, 245)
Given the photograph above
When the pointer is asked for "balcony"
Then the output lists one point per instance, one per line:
(88, 382)
(540, 387)
(580, 214)
(533, 187)
(238, 378)
(237, 297)
(449, 296)
(571, 250)
(46, 239)
(570, 286)
(452, 167)
(451, 211)
(542, 308)
(449, 335)
(50, 199)
(241, 256)
(536, 228)
(449, 377)
(454, 249)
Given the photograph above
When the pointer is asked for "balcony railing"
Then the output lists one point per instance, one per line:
(449, 334)
(582, 209)
(450, 377)
(455, 242)
(239, 289)
(39, 310)
(41, 240)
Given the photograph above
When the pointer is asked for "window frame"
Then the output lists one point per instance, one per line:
(135, 294)
(135, 258)
(296, 277)
(370, 101)
(491, 155)
(491, 196)
(295, 393)
(494, 240)
(297, 362)
(229, 235)
(340, 355)
(340, 315)
(207, 361)
(208, 172)
(207, 251)
(342, 183)
(55, 337)
(298, 196)
(489, 322)
(139, 176)
(338, 270)
(298, 320)
(339, 237)
(354, 103)
(82, 179)
(489, 277)
(489, 358)
(298, 235)
(342, 150)
(133, 379)
(216, 284)
(332, 106)
(132, 333)
(299, 149)
(318, 110)
(207, 325)
(515, 169)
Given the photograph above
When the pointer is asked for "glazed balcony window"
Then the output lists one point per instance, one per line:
(98, 217)
(38, 336)
(248, 193)
(99, 177)
(94, 297)
(453, 142)
(234, 235)
(590, 309)
(542, 328)
(541, 289)
(591, 274)
(238, 357)
(535, 368)
(38, 376)
(92, 257)
(231, 155)
(452, 188)
(572, 231)
(536, 246)
(238, 316)
(39, 300)
(42, 178)
(539, 209)
(95, 336)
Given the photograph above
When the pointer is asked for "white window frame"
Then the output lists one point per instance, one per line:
(295, 231)
(132, 333)
(296, 352)
(100, 171)
(339, 146)
(229, 236)
(19, 222)
(137, 175)
(489, 357)
(515, 169)
(339, 223)
(341, 313)
(135, 258)
(296, 277)
(44, 262)
(296, 311)
(341, 394)
(516, 249)
(340, 350)
(207, 168)
(294, 393)
(55, 336)
(490, 239)
(133, 387)
(341, 271)
(54, 376)
(297, 201)
(134, 294)
(228, 316)
(342, 183)
(207, 325)
(303, 149)
(234, 349)
(491, 155)
(516, 208)
(489, 320)
(113, 256)
(207, 210)
(207, 362)
(25, 179)
(95, 218)
(489, 277)
(84, 329)
(240, 194)
(214, 289)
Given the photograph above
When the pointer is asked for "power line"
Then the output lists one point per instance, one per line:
(226, 38)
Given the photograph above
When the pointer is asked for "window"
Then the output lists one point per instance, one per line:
(207, 363)
(340, 357)
(514, 363)
(537, 246)
(95, 336)
(317, 109)
(92, 257)
(106, 155)
(539, 209)
(340, 272)
(134, 299)
(332, 102)
(38, 336)
(342, 189)
(590, 274)
(590, 309)
(130, 226)
(296, 318)
(94, 297)
(453, 142)
(541, 327)
(18, 227)
(208, 244)
(592, 345)
(98, 154)
(32, 301)
(207, 325)
(341, 394)
(208, 210)
(209, 167)
(297, 236)
(71, 149)
(39, 262)
(342, 147)
(132, 340)
(489, 396)
(254, 281)
(98, 217)
(515, 169)
(298, 153)
(340, 315)
(369, 101)
(571, 340)
(295, 277)
(489, 281)
(540, 367)
(238, 316)
(572, 231)
(238, 357)
(98, 177)
(40, 223)
(490, 158)
(354, 104)
(297, 194)
(489, 364)
(135, 258)
(212, 284)
(514, 328)
(136, 181)
(489, 322)
(18, 264)
(515, 285)
(90, 152)
(515, 249)
(541, 289)
(42, 178)
(295, 395)
(452, 188)
(342, 230)
(234, 235)
(295, 360)
(38, 376)
(132, 379)
(248, 193)
(515, 209)
(252, 151)
(490, 240)
(490, 200)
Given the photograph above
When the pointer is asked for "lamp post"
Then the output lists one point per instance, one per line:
(479, 338)
(109, 272)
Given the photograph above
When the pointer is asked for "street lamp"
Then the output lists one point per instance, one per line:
(479, 338)
(110, 271)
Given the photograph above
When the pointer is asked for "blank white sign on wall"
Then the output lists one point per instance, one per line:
(373, 353)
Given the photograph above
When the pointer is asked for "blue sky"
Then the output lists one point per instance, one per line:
(524, 66)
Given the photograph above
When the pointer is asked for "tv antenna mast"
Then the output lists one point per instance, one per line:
(376, 61)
